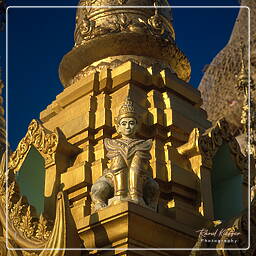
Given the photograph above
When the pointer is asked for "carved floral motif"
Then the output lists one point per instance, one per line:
(26, 225)
(42, 232)
(16, 213)
(88, 29)
(90, 25)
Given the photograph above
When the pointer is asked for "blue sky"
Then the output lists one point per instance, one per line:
(39, 38)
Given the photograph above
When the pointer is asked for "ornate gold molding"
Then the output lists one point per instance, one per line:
(26, 230)
(214, 138)
(18, 213)
(123, 28)
(43, 140)
(92, 22)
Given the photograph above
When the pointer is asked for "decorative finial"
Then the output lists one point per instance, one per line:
(243, 78)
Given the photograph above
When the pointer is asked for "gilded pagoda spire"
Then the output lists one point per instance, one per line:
(118, 32)
(221, 96)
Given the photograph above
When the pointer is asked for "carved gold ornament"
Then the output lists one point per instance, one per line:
(20, 218)
(213, 138)
(25, 230)
(108, 32)
(43, 140)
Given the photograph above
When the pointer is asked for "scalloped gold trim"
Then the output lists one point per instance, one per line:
(43, 140)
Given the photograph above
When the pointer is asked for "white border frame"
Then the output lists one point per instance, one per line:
(249, 123)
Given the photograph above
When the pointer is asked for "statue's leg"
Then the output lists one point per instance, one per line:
(101, 191)
(136, 181)
(120, 186)
(151, 193)
(120, 182)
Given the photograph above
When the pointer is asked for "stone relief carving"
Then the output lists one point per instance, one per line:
(128, 176)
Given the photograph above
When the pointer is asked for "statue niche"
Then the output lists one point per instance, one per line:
(128, 177)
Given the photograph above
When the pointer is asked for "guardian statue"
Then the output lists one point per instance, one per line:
(128, 177)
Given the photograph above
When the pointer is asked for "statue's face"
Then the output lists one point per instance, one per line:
(127, 126)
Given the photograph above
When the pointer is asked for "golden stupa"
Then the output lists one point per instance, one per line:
(124, 159)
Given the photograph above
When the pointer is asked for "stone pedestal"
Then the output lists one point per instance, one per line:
(127, 226)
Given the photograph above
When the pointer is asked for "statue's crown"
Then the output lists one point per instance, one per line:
(127, 110)
(127, 107)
